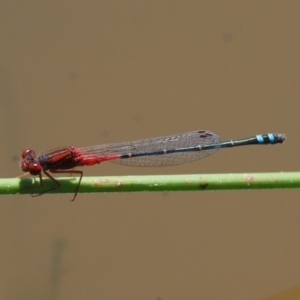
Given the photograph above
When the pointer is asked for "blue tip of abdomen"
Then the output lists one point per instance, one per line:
(271, 138)
(261, 140)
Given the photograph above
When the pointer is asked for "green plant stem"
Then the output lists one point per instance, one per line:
(155, 183)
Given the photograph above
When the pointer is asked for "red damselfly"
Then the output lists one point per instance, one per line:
(160, 151)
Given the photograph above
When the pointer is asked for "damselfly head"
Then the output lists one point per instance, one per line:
(33, 168)
(30, 163)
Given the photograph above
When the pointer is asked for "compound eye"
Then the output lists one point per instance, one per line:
(34, 169)
(24, 166)
(26, 152)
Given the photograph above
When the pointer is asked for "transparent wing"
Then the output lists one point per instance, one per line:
(146, 149)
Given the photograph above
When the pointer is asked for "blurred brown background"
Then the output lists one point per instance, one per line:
(83, 73)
